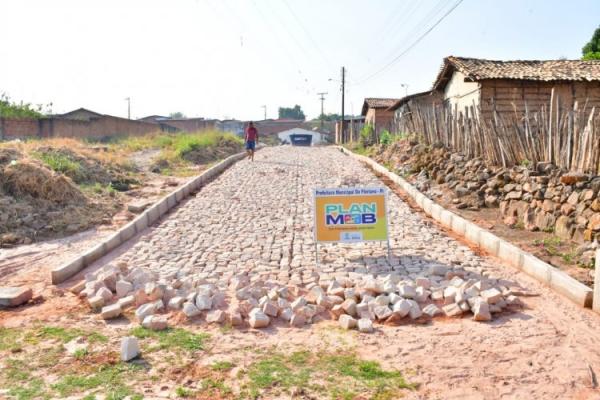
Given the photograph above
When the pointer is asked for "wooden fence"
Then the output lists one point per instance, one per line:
(569, 138)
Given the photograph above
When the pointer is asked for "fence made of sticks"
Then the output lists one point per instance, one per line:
(566, 137)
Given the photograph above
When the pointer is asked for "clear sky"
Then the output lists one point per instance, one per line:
(227, 58)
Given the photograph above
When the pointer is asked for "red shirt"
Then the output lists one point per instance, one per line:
(251, 134)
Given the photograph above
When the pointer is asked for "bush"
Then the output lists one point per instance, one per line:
(385, 138)
(367, 135)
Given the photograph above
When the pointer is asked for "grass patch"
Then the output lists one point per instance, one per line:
(61, 163)
(9, 339)
(63, 335)
(183, 392)
(172, 338)
(222, 366)
(111, 378)
(321, 374)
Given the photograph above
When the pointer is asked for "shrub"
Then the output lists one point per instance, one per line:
(385, 138)
(367, 135)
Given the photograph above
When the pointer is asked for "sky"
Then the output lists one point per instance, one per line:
(228, 58)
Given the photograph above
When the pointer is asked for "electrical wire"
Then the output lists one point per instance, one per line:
(412, 45)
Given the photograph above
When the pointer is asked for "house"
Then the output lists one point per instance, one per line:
(376, 113)
(154, 118)
(275, 126)
(512, 87)
(231, 125)
(301, 137)
(80, 114)
(404, 108)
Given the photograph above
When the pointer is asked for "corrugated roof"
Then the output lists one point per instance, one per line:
(377, 102)
(532, 70)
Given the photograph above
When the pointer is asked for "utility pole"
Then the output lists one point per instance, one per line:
(265, 108)
(128, 107)
(322, 98)
(343, 135)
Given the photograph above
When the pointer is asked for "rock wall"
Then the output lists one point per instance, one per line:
(533, 197)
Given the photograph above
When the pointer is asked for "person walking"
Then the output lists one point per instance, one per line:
(251, 140)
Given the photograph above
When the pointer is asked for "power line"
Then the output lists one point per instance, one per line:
(395, 60)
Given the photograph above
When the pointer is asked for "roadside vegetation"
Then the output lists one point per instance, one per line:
(54, 187)
(36, 363)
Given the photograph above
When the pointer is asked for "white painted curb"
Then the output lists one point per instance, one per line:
(146, 218)
(557, 280)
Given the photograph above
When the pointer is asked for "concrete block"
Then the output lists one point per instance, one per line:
(141, 222)
(179, 194)
(472, 232)
(94, 253)
(436, 212)
(128, 231)
(510, 253)
(571, 288)
(153, 214)
(171, 200)
(489, 242)
(419, 198)
(66, 271)
(163, 206)
(459, 225)
(427, 204)
(537, 268)
(14, 296)
(185, 189)
(112, 242)
(446, 218)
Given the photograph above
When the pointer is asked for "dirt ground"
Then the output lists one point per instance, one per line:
(548, 350)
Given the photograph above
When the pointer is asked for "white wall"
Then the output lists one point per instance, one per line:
(460, 93)
(285, 135)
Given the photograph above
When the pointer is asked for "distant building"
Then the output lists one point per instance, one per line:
(376, 113)
(301, 137)
(511, 87)
(405, 107)
(80, 114)
(231, 125)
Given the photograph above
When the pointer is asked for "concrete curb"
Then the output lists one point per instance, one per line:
(557, 280)
(143, 220)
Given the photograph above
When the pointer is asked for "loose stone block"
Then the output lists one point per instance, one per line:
(123, 288)
(365, 325)
(337, 310)
(130, 348)
(144, 311)
(111, 311)
(298, 303)
(432, 310)
(270, 308)
(349, 306)
(126, 301)
(96, 302)
(286, 314)
(216, 316)
(298, 320)
(407, 291)
(105, 294)
(402, 308)
(452, 310)
(155, 323)
(203, 302)
(415, 311)
(176, 303)
(14, 296)
(382, 312)
(492, 295)
(347, 322)
(423, 282)
(236, 319)
(258, 319)
(481, 311)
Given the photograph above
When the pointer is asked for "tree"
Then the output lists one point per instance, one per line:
(10, 109)
(329, 117)
(591, 51)
(177, 115)
(291, 113)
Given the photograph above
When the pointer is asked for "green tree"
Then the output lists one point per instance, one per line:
(9, 109)
(291, 113)
(177, 115)
(591, 51)
(329, 117)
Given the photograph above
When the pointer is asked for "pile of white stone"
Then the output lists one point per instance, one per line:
(355, 303)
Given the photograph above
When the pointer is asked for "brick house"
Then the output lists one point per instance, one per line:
(376, 113)
(405, 107)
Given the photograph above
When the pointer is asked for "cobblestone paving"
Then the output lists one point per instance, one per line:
(258, 217)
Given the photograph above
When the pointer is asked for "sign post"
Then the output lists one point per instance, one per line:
(351, 215)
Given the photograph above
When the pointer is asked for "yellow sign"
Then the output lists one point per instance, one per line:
(351, 215)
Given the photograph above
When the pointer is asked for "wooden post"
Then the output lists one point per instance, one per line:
(596, 301)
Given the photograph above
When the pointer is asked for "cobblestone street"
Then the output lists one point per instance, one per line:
(258, 217)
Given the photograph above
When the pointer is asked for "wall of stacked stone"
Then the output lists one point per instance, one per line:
(533, 197)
